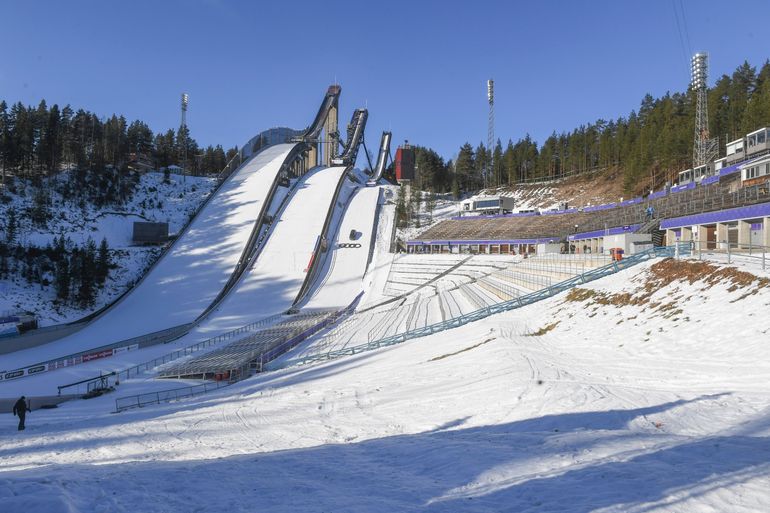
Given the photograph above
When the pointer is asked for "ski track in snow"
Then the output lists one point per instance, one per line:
(616, 409)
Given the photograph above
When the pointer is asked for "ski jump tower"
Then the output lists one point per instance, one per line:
(323, 134)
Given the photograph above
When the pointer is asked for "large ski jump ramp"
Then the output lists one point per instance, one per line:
(346, 264)
(190, 275)
(274, 281)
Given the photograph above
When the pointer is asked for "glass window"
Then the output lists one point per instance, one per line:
(761, 137)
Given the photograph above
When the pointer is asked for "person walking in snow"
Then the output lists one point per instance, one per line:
(20, 409)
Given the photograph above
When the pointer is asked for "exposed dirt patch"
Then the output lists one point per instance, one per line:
(666, 272)
(545, 329)
(474, 346)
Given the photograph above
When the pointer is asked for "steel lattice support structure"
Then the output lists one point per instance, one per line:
(704, 149)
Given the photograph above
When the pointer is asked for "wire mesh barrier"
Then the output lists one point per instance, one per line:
(614, 267)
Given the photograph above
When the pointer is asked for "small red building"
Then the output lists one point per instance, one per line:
(404, 164)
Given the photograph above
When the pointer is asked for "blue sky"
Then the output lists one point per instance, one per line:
(420, 67)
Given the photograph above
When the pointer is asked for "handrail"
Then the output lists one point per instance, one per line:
(139, 400)
(668, 251)
(731, 249)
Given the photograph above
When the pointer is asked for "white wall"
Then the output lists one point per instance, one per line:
(624, 241)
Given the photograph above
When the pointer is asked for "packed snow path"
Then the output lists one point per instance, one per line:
(622, 406)
(187, 278)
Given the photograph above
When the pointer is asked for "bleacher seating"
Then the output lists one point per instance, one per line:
(238, 355)
(704, 198)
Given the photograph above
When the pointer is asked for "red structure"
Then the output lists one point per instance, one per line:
(404, 162)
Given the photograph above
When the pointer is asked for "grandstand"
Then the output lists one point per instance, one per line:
(428, 289)
(521, 233)
(238, 359)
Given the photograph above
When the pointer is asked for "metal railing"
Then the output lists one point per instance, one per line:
(615, 266)
(135, 370)
(139, 400)
(745, 252)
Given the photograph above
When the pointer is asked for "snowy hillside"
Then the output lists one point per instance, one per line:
(153, 200)
(615, 397)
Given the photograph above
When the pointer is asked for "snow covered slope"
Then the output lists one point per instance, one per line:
(603, 400)
(347, 264)
(271, 285)
(154, 199)
(189, 276)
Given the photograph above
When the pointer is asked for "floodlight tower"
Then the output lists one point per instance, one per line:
(704, 148)
(183, 128)
(490, 129)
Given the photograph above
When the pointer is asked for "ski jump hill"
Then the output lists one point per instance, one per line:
(260, 247)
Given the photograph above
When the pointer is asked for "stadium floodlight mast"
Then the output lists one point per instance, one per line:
(490, 129)
(185, 101)
(704, 148)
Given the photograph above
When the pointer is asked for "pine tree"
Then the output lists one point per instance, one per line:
(62, 279)
(103, 262)
(401, 213)
(11, 227)
(87, 286)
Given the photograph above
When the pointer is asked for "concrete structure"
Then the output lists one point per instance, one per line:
(150, 233)
(488, 205)
(742, 227)
(548, 247)
(600, 241)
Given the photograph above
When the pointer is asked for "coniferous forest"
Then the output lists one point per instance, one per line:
(39, 141)
(646, 148)
(82, 159)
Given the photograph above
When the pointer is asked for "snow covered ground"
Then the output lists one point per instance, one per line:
(189, 276)
(645, 391)
(154, 200)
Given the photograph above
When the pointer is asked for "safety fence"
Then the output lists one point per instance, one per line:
(97, 353)
(135, 370)
(139, 400)
(134, 401)
(731, 252)
(600, 272)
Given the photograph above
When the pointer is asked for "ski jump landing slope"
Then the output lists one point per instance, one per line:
(271, 285)
(190, 275)
(345, 266)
